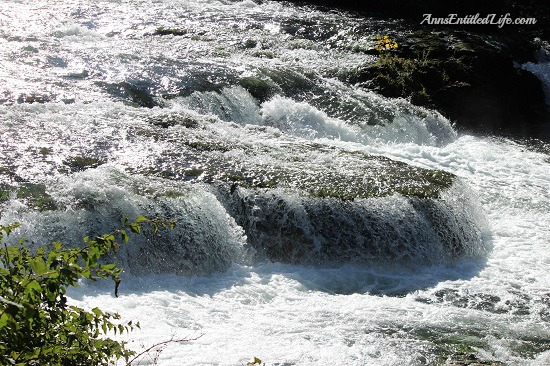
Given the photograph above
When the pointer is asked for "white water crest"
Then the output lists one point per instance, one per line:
(106, 118)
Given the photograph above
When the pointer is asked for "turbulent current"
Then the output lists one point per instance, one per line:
(318, 222)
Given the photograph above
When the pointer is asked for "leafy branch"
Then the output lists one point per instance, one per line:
(37, 326)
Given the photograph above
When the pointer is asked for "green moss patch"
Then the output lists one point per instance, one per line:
(260, 88)
(161, 31)
(34, 195)
(80, 163)
(384, 177)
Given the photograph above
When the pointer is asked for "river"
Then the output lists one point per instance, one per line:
(116, 107)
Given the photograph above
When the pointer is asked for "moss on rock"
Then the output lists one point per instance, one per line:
(259, 88)
(380, 177)
(34, 195)
(80, 163)
(161, 31)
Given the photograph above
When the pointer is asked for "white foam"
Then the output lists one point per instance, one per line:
(283, 314)
(303, 120)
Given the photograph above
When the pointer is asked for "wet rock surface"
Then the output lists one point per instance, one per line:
(473, 79)
(472, 74)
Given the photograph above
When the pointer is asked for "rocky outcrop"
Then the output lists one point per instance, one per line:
(293, 228)
(471, 74)
(473, 79)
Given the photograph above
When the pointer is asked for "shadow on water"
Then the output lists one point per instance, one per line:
(347, 279)
(396, 280)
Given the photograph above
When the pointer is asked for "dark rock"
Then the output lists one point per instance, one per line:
(161, 31)
(136, 93)
(473, 79)
(470, 73)
(260, 88)
(415, 10)
(80, 163)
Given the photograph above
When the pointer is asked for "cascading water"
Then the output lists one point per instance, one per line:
(317, 223)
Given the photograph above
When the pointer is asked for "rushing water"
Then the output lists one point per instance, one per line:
(110, 117)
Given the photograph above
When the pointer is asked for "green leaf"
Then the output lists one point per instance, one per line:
(34, 285)
(135, 228)
(256, 361)
(124, 236)
(4, 320)
(141, 219)
(108, 267)
(93, 256)
(38, 266)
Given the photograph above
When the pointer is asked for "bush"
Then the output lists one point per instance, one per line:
(418, 76)
(37, 326)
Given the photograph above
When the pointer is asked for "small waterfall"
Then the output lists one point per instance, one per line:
(288, 227)
(542, 69)
(381, 123)
(218, 225)
(205, 239)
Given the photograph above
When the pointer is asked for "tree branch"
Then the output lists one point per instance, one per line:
(164, 343)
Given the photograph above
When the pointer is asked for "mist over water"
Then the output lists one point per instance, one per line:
(112, 119)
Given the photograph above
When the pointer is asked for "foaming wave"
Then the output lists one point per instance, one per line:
(285, 227)
(306, 121)
(231, 104)
(205, 239)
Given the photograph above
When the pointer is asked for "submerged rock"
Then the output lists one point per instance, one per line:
(35, 195)
(241, 191)
(293, 228)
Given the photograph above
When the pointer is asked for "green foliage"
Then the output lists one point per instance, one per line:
(413, 72)
(37, 325)
(256, 361)
(404, 76)
(161, 31)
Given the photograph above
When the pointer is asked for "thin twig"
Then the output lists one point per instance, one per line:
(171, 340)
